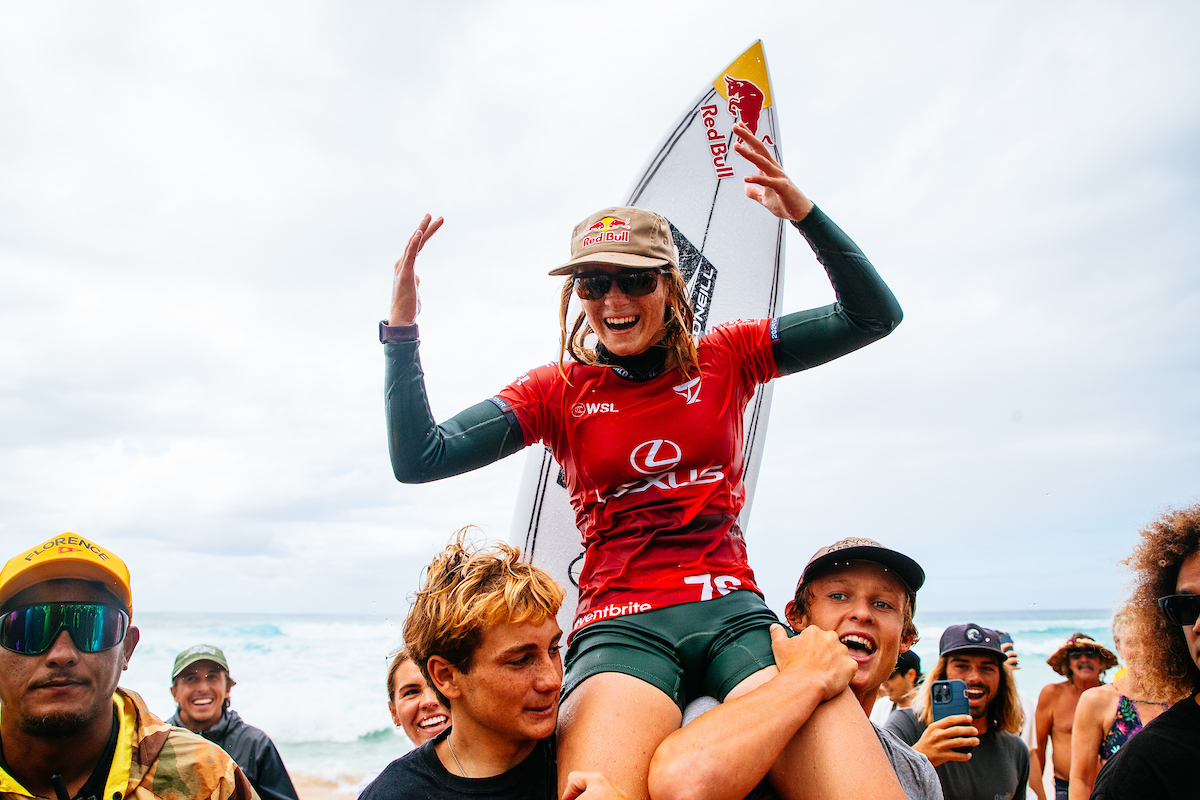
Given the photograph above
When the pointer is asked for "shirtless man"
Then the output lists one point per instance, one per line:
(1083, 662)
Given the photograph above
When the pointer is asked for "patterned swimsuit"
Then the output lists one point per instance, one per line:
(1125, 725)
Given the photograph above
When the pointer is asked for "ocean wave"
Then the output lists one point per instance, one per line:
(316, 683)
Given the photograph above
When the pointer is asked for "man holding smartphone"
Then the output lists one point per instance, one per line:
(978, 755)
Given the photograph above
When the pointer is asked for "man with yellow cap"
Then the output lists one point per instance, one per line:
(66, 730)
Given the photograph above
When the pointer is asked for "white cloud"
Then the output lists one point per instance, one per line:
(201, 205)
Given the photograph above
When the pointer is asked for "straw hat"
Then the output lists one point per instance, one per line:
(1059, 661)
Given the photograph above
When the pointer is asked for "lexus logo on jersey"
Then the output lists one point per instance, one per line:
(655, 456)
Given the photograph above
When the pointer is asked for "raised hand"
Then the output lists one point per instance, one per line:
(1014, 660)
(771, 187)
(405, 300)
(940, 740)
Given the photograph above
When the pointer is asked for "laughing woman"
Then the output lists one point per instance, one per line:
(671, 558)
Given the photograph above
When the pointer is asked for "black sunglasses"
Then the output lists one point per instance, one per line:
(93, 627)
(635, 283)
(1091, 652)
(1180, 609)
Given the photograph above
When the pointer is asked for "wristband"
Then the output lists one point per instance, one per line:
(397, 333)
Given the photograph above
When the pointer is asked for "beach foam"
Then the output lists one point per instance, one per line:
(316, 683)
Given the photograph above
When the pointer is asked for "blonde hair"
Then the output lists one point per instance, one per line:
(678, 337)
(1004, 713)
(467, 589)
(1161, 660)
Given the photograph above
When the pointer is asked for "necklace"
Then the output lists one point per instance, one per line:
(460, 769)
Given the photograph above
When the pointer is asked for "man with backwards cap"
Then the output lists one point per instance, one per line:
(854, 608)
(66, 730)
(995, 761)
(200, 685)
(901, 687)
(1083, 662)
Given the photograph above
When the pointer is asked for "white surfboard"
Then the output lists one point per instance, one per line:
(730, 252)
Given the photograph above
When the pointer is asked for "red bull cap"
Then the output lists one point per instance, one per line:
(623, 236)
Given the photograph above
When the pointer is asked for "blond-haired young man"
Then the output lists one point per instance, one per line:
(482, 630)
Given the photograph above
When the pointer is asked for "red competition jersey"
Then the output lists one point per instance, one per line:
(654, 469)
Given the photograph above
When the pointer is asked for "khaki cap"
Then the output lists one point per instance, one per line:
(623, 236)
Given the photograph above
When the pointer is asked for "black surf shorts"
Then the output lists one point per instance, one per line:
(688, 651)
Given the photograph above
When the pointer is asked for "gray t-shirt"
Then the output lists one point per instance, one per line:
(998, 769)
(917, 776)
(905, 724)
(915, 773)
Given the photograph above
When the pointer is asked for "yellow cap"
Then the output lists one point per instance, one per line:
(66, 556)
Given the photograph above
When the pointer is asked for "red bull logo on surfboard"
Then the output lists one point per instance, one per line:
(716, 141)
(745, 102)
(746, 89)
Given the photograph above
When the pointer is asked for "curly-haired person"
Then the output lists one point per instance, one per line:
(1163, 616)
(482, 630)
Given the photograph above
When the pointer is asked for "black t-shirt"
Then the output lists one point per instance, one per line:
(1159, 762)
(420, 774)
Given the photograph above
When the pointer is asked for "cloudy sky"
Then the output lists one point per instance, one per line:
(200, 205)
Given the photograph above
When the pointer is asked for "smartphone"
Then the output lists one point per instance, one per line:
(948, 698)
(1004, 638)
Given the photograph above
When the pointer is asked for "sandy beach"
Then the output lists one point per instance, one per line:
(316, 787)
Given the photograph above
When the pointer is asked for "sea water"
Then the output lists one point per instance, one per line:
(317, 683)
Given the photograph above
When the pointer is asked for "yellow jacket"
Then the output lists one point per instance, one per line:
(155, 761)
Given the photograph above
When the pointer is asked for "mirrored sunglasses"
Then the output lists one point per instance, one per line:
(1180, 609)
(93, 627)
(635, 283)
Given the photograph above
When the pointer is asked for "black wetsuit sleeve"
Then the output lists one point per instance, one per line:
(865, 310)
(422, 450)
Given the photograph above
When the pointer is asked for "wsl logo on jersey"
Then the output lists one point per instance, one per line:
(609, 229)
(583, 409)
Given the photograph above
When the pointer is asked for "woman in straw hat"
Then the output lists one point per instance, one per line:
(646, 421)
